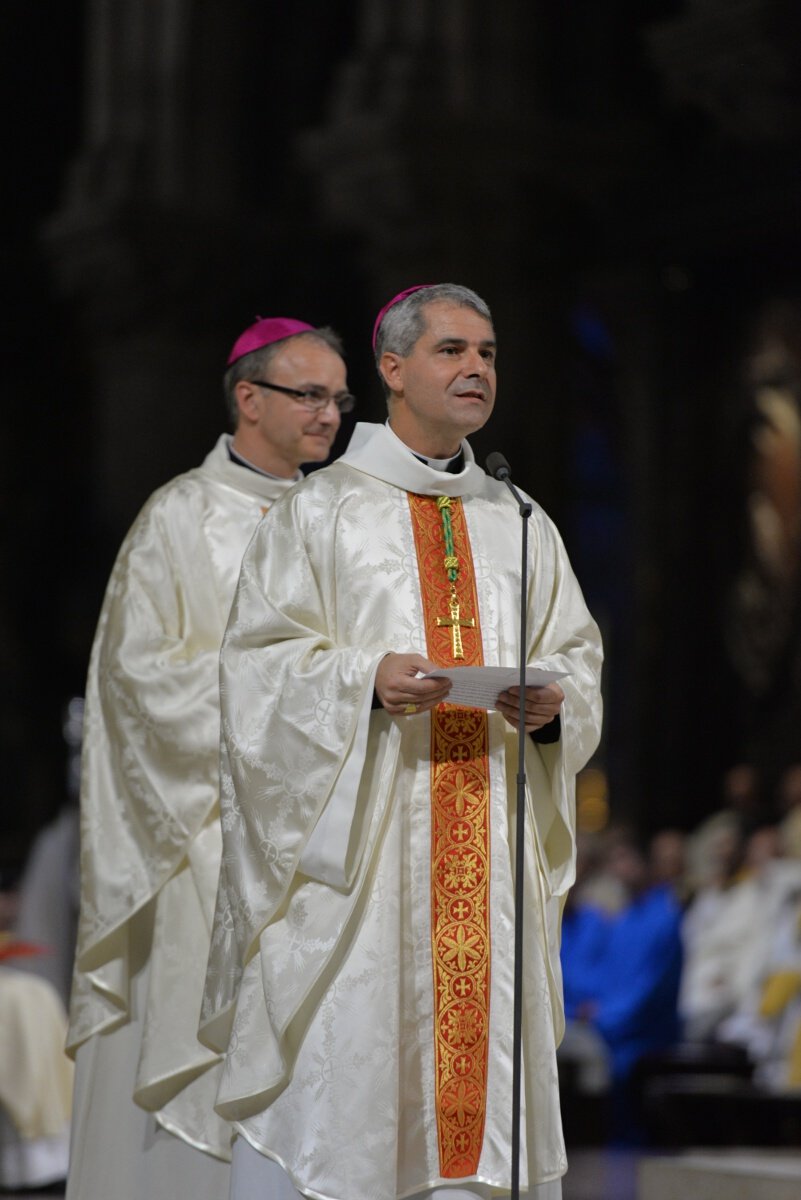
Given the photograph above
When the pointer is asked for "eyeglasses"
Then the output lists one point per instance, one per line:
(315, 399)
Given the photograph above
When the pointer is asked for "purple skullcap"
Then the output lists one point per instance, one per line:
(396, 300)
(264, 332)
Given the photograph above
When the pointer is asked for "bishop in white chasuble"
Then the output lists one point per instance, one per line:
(360, 977)
(150, 831)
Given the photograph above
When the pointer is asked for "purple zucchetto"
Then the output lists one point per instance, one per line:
(418, 287)
(264, 332)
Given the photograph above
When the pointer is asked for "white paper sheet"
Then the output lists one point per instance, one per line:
(479, 687)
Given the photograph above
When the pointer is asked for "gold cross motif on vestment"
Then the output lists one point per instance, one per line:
(456, 625)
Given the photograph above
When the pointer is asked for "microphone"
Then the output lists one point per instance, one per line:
(497, 466)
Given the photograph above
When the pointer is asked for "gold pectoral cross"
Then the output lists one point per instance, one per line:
(456, 624)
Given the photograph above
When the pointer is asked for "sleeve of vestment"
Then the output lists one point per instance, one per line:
(562, 637)
(149, 768)
(295, 710)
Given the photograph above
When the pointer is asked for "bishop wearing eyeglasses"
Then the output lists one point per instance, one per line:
(144, 1121)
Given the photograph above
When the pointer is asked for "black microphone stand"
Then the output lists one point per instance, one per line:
(499, 468)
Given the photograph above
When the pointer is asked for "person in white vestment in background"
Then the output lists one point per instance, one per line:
(36, 1081)
(143, 1120)
(49, 890)
(360, 978)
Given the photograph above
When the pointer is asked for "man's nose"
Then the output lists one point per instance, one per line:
(476, 364)
(330, 413)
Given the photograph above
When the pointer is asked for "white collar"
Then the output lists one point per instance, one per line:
(219, 465)
(377, 451)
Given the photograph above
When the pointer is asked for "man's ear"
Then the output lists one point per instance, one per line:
(391, 367)
(248, 400)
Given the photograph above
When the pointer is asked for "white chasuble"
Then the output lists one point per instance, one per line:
(150, 833)
(347, 917)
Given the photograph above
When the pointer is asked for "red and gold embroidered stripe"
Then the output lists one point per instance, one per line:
(460, 863)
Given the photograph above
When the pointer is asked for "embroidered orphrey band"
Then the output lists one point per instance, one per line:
(460, 846)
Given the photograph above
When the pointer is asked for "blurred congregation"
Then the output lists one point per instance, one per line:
(682, 974)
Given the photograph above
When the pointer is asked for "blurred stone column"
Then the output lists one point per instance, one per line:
(148, 219)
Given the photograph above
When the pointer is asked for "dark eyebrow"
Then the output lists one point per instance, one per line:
(457, 341)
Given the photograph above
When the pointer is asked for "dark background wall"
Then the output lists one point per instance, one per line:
(620, 181)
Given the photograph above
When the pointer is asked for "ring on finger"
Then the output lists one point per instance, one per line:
(410, 708)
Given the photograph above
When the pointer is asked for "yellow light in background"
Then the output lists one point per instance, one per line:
(592, 800)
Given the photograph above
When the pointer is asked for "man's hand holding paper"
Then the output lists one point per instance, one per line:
(542, 705)
(498, 688)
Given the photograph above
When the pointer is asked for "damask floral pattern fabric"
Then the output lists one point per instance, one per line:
(149, 793)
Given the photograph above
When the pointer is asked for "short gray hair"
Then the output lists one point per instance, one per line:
(256, 364)
(405, 322)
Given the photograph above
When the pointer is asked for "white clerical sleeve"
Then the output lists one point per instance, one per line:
(336, 843)
(149, 758)
(295, 719)
(563, 637)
